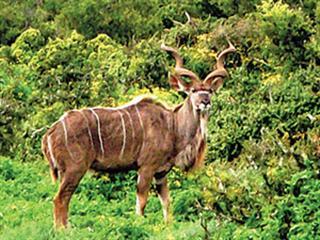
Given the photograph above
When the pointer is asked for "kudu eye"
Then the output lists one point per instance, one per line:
(193, 90)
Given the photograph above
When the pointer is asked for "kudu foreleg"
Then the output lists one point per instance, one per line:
(143, 187)
(164, 196)
(69, 183)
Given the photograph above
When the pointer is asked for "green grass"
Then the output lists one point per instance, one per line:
(101, 208)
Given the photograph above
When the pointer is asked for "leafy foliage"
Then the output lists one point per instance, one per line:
(262, 175)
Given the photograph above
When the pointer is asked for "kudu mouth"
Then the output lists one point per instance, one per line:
(203, 108)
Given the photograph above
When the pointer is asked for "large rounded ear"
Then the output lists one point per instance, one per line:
(179, 85)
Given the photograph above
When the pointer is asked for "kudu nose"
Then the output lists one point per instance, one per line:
(205, 101)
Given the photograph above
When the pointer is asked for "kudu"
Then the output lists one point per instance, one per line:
(143, 135)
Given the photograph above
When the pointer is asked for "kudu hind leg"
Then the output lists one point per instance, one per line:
(69, 182)
(164, 196)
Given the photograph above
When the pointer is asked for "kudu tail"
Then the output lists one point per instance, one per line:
(46, 153)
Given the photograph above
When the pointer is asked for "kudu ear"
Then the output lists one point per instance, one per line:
(179, 85)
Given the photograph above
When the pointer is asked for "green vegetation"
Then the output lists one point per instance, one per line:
(262, 173)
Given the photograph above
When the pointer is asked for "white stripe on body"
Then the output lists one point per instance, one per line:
(124, 135)
(141, 124)
(89, 131)
(131, 123)
(99, 130)
(132, 103)
(66, 135)
(53, 160)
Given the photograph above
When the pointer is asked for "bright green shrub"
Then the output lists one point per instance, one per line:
(222, 8)
(147, 66)
(11, 22)
(287, 105)
(241, 190)
(286, 31)
(62, 67)
(15, 93)
(26, 45)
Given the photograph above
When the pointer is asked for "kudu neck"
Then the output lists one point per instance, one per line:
(187, 123)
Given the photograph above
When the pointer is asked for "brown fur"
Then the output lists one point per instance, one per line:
(150, 145)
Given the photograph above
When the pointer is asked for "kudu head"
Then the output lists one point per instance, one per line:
(199, 92)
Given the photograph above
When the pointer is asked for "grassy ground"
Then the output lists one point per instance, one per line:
(102, 208)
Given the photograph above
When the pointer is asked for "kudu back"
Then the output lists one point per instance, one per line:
(143, 135)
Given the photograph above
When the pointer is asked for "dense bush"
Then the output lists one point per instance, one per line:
(261, 180)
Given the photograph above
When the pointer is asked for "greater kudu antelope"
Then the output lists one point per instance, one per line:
(143, 135)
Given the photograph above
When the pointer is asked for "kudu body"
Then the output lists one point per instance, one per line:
(143, 135)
